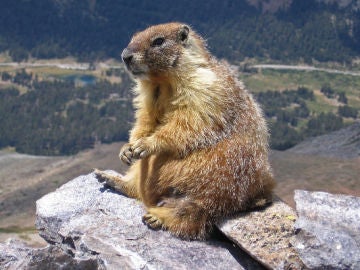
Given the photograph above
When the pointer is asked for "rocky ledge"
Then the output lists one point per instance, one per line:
(89, 226)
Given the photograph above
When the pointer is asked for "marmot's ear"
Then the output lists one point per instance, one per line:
(183, 33)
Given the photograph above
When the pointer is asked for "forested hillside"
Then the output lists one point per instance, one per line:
(303, 31)
(58, 118)
(49, 115)
(291, 120)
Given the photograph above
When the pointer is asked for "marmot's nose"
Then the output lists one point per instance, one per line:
(127, 56)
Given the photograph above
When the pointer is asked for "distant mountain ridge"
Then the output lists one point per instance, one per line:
(284, 30)
(353, 4)
(343, 143)
(273, 6)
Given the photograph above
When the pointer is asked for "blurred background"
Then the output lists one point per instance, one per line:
(65, 99)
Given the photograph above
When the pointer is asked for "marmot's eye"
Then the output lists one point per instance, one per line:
(157, 42)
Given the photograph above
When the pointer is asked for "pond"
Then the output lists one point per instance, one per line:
(80, 79)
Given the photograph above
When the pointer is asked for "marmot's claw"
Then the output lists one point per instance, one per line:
(126, 159)
(126, 154)
(100, 175)
(140, 149)
(140, 153)
(152, 222)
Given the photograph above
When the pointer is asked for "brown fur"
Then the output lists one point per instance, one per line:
(199, 140)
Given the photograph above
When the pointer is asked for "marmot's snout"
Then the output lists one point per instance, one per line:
(127, 57)
(133, 62)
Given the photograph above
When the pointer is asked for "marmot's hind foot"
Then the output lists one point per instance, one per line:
(152, 221)
(117, 182)
(182, 221)
(110, 180)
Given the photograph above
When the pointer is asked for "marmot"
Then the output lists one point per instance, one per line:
(199, 146)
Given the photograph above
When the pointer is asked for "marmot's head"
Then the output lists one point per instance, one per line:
(161, 49)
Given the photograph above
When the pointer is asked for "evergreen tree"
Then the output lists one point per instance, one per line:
(347, 111)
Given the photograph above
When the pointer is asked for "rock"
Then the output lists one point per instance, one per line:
(266, 235)
(90, 226)
(328, 230)
(16, 255)
(91, 222)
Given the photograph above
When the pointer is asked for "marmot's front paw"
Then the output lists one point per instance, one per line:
(141, 149)
(126, 154)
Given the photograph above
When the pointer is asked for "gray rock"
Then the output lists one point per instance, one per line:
(328, 230)
(266, 235)
(16, 255)
(91, 222)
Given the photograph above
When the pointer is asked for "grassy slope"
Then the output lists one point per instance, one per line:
(267, 79)
(282, 80)
(51, 72)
